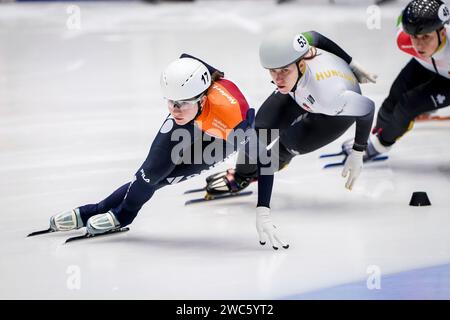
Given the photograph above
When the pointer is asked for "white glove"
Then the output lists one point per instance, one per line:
(354, 164)
(264, 226)
(361, 74)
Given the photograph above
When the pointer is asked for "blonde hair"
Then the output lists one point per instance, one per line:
(311, 54)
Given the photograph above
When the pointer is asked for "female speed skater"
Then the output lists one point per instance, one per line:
(201, 103)
(316, 100)
(423, 85)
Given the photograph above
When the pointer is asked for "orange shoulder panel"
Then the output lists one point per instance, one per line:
(224, 110)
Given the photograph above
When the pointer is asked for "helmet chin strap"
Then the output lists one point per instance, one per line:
(439, 38)
(200, 109)
(299, 75)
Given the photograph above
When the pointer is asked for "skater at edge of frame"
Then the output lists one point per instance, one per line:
(423, 85)
(200, 101)
(317, 99)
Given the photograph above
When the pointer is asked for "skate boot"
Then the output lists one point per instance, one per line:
(216, 175)
(69, 220)
(102, 223)
(227, 182)
(374, 148)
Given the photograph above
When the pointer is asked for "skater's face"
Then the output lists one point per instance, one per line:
(186, 110)
(286, 77)
(427, 44)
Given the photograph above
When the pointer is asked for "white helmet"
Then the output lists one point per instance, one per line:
(184, 79)
(281, 48)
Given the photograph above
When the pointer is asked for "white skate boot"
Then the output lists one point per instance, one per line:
(102, 223)
(69, 220)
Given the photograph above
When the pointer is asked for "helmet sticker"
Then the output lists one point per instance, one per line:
(444, 13)
(205, 78)
(300, 43)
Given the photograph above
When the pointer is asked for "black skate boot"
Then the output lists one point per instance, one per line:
(227, 182)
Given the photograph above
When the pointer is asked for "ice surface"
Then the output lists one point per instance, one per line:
(79, 109)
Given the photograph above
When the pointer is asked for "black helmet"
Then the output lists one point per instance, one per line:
(424, 16)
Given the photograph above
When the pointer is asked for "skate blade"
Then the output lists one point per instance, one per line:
(90, 236)
(36, 233)
(209, 197)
